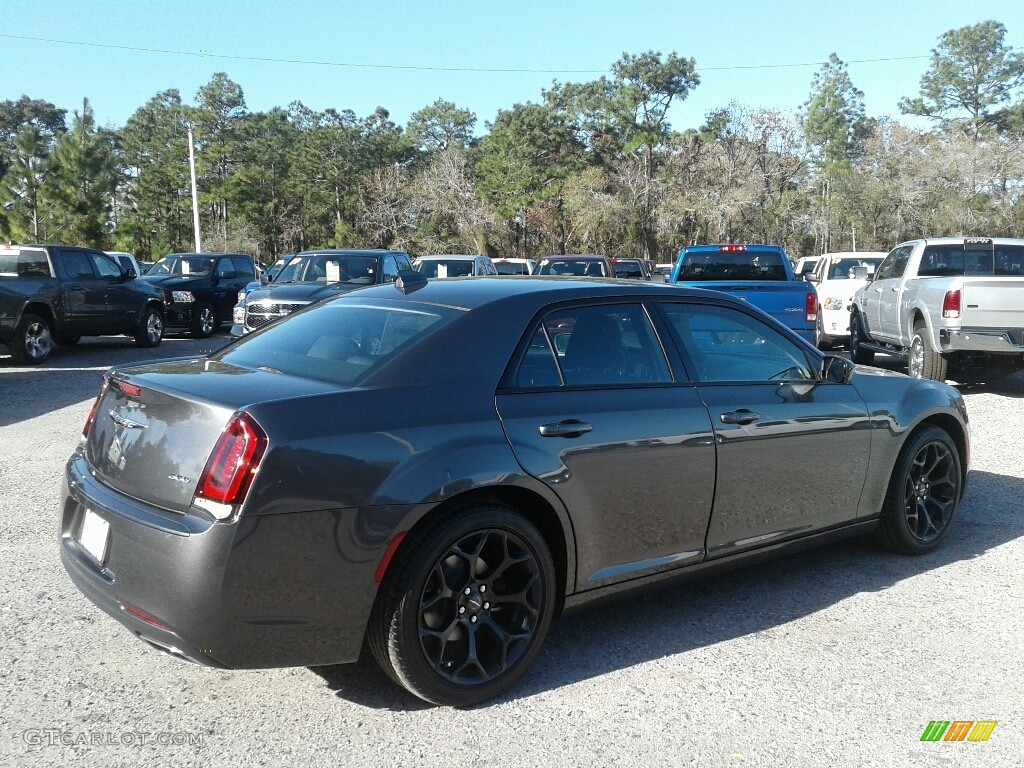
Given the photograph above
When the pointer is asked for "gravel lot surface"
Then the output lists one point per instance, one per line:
(838, 657)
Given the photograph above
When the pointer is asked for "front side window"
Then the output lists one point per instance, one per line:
(105, 266)
(594, 346)
(728, 345)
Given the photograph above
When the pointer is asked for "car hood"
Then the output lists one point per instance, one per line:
(296, 292)
(175, 282)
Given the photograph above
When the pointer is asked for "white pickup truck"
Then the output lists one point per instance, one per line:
(953, 305)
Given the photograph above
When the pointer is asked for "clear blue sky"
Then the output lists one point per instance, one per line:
(552, 35)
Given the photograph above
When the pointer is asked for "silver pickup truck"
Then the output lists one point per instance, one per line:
(953, 305)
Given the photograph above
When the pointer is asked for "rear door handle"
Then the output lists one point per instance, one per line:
(566, 428)
(742, 416)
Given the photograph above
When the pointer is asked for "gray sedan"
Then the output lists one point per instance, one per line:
(439, 468)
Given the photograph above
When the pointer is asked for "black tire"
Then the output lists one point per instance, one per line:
(925, 362)
(151, 329)
(923, 494)
(821, 339)
(465, 606)
(204, 320)
(858, 354)
(66, 339)
(32, 342)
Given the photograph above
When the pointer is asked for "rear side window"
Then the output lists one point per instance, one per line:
(76, 265)
(600, 345)
(972, 259)
(24, 262)
(339, 342)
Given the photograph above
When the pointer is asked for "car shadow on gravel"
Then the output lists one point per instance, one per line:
(672, 618)
(1010, 386)
(71, 375)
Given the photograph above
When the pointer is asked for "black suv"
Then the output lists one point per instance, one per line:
(200, 289)
(57, 294)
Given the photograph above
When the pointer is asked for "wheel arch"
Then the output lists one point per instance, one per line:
(42, 310)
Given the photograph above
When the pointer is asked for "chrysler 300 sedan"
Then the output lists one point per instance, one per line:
(439, 468)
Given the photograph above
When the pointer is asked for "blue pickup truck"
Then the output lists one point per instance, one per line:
(759, 274)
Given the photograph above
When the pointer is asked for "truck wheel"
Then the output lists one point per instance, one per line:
(32, 341)
(204, 322)
(858, 354)
(151, 329)
(925, 362)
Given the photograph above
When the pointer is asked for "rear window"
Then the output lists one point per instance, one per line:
(339, 342)
(966, 260)
(512, 268)
(580, 268)
(444, 267)
(24, 262)
(732, 265)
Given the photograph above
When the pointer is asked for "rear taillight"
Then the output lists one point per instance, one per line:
(732, 248)
(951, 304)
(95, 406)
(230, 468)
(811, 308)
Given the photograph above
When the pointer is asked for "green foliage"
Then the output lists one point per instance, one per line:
(833, 118)
(441, 126)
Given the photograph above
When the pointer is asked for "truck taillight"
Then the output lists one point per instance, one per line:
(229, 471)
(732, 248)
(95, 406)
(811, 307)
(951, 304)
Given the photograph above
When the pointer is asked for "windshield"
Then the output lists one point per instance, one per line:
(444, 267)
(192, 266)
(732, 265)
(628, 268)
(578, 268)
(839, 269)
(337, 342)
(329, 268)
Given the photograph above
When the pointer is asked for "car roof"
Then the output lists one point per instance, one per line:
(574, 257)
(456, 256)
(351, 251)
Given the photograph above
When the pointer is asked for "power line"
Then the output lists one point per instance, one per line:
(360, 65)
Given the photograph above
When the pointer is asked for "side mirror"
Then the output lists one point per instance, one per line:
(130, 274)
(859, 273)
(836, 369)
(810, 277)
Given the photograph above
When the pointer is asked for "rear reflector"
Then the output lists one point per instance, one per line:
(95, 405)
(951, 304)
(143, 616)
(811, 308)
(235, 458)
(389, 553)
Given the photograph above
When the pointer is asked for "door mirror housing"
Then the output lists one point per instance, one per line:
(836, 369)
(130, 274)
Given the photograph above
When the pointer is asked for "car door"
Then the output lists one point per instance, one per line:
(883, 295)
(592, 410)
(85, 297)
(792, 451)
(226, 285)
(122, 302)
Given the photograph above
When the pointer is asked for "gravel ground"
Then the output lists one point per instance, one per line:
(838, 657)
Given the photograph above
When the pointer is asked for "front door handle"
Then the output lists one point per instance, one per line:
(566, 428)
(878, 290)
(742, 416)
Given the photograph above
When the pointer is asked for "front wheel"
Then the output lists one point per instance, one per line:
(204, 322)
(858, 353)
(32, 342)
(151, 329)
(923, 494)
(465, 606)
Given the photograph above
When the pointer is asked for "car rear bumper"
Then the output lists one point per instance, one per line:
(263, 591)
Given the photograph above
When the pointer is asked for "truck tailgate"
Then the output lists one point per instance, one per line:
(783, 300)
(993, 302)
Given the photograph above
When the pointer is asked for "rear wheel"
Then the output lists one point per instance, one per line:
(151, 329)
(923, 494)
(204, 322)
(925, 362)
(858, 353)
(465, 606)
(32, 342)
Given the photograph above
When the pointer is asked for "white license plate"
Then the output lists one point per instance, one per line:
(95, 535)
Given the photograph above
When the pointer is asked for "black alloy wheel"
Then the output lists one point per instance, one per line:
(923, 494)
(465, 607)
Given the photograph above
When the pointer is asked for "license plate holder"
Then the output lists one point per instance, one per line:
(94, 536)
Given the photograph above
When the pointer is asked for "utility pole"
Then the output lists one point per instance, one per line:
(195, 195)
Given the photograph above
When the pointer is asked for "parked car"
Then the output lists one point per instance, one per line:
(311, 276)
(343, 475)
(55, 294)
(515, 266)
(953, 305)
(583, 265)
(200, 289)
(632, 269)
(758, 273)
(451, 265)
(126, 261)
(805, 266)
(835, 284)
